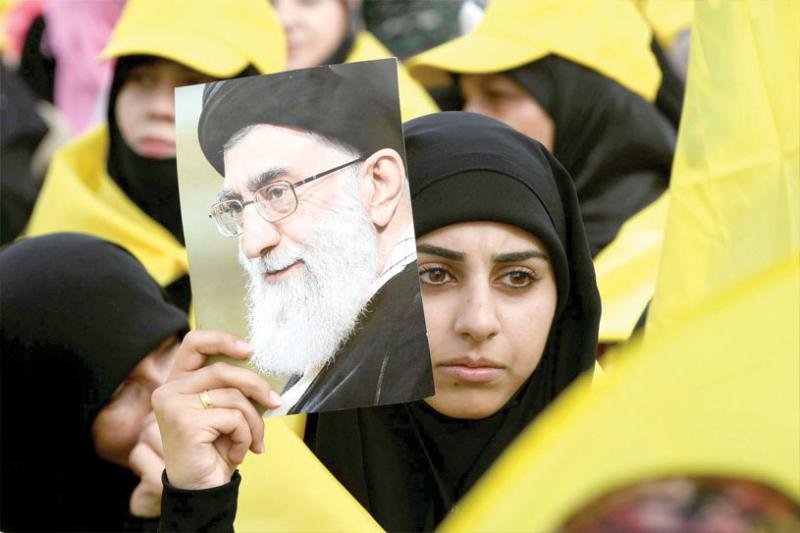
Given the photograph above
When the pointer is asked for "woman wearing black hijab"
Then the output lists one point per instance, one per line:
(512, 312)
(482, 190)
(86, 336)
(616, 145)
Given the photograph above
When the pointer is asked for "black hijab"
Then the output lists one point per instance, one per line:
(616, 145)
(408, 465)
(78, 314)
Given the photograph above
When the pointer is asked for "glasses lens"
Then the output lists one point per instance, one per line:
(277, 201)
(226, 216)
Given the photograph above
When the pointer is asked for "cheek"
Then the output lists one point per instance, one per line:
(116, 428)
(532, 120)
(438, 318)
(530, 325)
(126, 111)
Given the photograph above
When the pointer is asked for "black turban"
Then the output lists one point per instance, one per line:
(355, 105)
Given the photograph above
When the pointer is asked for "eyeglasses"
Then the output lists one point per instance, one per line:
(273, 202)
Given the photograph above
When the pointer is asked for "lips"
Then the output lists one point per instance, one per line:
(275, 274)
(479, 370)
(156, 148)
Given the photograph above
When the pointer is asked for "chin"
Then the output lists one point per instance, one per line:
(464, 405)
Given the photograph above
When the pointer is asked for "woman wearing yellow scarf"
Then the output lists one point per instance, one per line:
(119, 181)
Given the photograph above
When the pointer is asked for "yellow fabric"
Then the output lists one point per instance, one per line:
(713, 387)
(736, 177)
(288, 489)
(627, 269)
(217, 38)
(414, 100)
(5, 5)
(608, 36)
(78, 195)
(668, 18)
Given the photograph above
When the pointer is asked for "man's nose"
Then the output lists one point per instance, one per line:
(258, 236)
(477, 318)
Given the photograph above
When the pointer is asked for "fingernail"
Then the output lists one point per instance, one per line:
(275, 399)
(243, 346)
(261, 446)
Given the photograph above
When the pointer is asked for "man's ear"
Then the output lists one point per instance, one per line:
(385, 180)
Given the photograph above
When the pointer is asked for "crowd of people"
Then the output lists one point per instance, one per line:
(537, 154)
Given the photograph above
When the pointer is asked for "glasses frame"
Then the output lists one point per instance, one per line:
(292, 187)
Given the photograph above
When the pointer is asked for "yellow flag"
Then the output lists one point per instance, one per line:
(713, 389)
(736, 178)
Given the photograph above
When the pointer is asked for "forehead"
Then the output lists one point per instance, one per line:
(267, 147)
(483, 239)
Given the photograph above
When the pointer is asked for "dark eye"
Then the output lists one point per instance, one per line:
(142, 77)
(275, 193)
(435, 276)
(517, 279)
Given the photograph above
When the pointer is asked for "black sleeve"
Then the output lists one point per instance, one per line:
(209, 510)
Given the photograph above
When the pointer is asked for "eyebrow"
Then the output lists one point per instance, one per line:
(513, 257)
(441, 252)
(254, 184)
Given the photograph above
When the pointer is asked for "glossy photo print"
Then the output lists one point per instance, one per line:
(299, 231)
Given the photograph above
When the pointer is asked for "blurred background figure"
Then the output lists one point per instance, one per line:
(86, 336)
(21, 134)
(119, 181)
(580, 77)
(323, 32)
(54, 46)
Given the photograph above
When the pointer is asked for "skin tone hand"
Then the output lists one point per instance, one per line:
(147, 462)
(203, 446)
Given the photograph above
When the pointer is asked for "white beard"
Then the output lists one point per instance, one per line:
(297, 324)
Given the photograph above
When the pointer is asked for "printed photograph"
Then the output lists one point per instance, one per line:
(299, 231)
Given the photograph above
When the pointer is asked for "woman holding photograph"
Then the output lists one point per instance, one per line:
(512, 312)
(86, 337)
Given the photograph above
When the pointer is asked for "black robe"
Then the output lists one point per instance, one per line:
(385, 361)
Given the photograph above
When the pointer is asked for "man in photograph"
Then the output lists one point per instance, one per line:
(315, 190)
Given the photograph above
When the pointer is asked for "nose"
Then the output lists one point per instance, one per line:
(258, 236)
(287, 13)
(478, 104)
(477, 316)
(162, 101)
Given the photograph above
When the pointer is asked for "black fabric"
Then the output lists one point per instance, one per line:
(616, 146)
(78, 314)
(669, 99)
(331, 101)
(152, 184)
(407, 464)
(37, 64)
(385, 360)
(210, 510)
(21, 132)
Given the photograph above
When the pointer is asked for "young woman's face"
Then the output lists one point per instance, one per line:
(314, 29)
(145, 106)
(117, 426)
(489, 294)
(500, 97)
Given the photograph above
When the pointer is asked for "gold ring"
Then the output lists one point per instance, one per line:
(205, 400)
